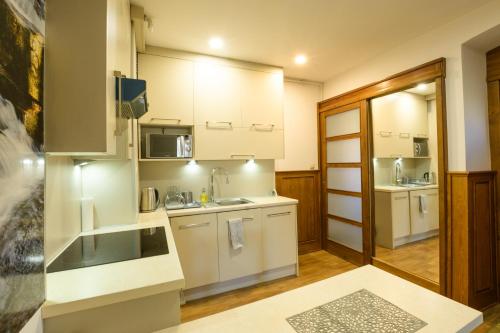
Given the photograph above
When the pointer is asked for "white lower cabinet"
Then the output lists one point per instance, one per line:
(196, 241)
(248, 259)
(424, 219)
(279, 236)
(392, 218)
(399, 217)
(208, 258)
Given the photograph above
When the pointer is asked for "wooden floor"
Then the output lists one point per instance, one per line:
(491, 321)
(314, 267)
(420, 258)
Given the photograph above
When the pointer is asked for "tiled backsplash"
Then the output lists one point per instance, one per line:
(245, 179)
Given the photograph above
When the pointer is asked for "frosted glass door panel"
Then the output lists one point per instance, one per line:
(343, 151)
(345, 206)
(345, 234)
(343, 123)
(345, 179)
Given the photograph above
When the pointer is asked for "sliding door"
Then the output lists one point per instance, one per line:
(344, 175)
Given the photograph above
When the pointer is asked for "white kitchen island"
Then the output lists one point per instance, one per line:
(139, 295)
(431, 311)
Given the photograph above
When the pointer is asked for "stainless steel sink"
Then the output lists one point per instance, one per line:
(410, 185)
(232, 202)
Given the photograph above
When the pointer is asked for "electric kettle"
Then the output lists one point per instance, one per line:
(150, 199)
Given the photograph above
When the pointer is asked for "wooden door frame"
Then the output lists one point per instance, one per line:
(433, 71)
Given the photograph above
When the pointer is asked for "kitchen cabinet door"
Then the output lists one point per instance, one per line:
(196, 241)
(79, 82)
(169, 89)
(279, 236)
(262, 99)
(248, 259)
(422, 222)
(400, 208)
(217, 95)
(392, 145)
(262, 144)
(216, 143)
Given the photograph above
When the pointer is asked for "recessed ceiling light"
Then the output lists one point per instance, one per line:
(422, 87)
(216, 43)
(300, 59)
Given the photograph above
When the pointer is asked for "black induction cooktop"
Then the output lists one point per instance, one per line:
(112, 247)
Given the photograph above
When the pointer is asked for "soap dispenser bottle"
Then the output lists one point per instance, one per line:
(203, 197)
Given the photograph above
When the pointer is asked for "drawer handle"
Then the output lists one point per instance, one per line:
(251, 156)
(385, 133)
(194, 225)
(263, 127)
(217, 124)
(279, 214)
(178, 121)
(400, 198)
(404, 135)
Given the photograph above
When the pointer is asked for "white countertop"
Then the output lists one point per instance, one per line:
(90, 287)
(269, 315)
(257, 202)
(395, 188)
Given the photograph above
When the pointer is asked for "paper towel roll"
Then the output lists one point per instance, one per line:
(87, 214)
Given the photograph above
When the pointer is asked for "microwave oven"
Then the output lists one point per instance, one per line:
(421, 149)
(166, 146)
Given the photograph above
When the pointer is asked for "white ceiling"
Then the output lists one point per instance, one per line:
(335, 34)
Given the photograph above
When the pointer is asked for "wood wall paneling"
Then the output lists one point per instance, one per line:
(493, 78)
(304, 186)
(493, 64)
(473, 240)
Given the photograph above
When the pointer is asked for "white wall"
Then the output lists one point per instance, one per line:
(477, 139)
(300, 120)
(444, 41)
(62, 203)
(35, 324)
(245, 179)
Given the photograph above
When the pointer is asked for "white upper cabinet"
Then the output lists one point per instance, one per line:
(217, 95)
(81, 114)
(236, 108)
(169, 89)
(397, 119)
(262, 99)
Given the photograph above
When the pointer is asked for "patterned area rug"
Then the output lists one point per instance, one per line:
(359, 312)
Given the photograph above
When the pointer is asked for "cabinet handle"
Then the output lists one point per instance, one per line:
(251, 156)
(400, 198)
(404, 135)
(263, 127)
(194, 225)
(385, 133)
(178, 121)
(419, 135)
(279, 214)
(216, 124)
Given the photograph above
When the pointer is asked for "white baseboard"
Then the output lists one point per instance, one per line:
(221, 287)
(413, 238)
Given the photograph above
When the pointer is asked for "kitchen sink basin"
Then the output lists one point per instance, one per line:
(232, 202)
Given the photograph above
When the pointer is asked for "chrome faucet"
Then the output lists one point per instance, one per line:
(398, 173)
(211, 183)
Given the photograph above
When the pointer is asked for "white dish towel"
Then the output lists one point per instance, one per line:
(422, 204)
(236, 232)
